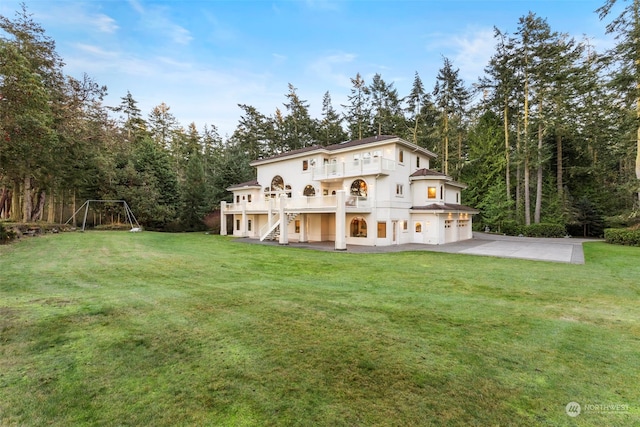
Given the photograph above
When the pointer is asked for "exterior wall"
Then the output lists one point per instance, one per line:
(385, 167)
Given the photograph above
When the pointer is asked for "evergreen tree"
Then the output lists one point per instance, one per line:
(386, 111)
(358, 114)
(626, 54)
(331, 131)
(195, 201)
(451, 98)
(300, 129)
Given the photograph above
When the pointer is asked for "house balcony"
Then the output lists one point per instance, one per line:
(368, 166)
(319, 204)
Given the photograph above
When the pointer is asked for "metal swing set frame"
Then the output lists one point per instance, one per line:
(127, 210)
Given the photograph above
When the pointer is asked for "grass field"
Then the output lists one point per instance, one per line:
(116, 328)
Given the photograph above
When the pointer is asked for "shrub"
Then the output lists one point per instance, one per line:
(510, 228)
(623, 236)
(544, 230)
(6, 235)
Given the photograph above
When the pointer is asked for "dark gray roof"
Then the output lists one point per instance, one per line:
(444, 207)
(252, 183)
(340, 146)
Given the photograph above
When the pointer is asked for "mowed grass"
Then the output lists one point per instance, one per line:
(116, 328)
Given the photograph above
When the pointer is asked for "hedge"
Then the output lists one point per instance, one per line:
(544, 230)
(622, 236)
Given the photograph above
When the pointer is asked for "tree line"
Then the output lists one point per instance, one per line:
(548, 134)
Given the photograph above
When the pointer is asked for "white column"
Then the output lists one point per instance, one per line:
(303, 228)
(244, 231)
(341, 219)
(223, 219)
(284, 227)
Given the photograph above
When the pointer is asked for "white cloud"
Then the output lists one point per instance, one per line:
(324, 68)
(104, 23)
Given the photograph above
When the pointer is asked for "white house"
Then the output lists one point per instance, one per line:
(377, 191)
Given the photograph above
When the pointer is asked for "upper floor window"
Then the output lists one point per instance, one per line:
(277, 183)
(417, 162)
(401, 156)
(309, 191)
(431, 193)
(399, 189)
(305, 165)
(358, 188)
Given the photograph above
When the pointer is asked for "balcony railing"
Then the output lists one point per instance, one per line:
(370, 166)
(301, 203)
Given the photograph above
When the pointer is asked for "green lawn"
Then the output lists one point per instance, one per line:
(150, 329)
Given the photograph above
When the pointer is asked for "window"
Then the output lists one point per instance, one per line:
(417, 162)
(418, 227)
(382, 230)
(238, 224)
(359, 188)
(399, 189)
(309, 191)
(431, 192)
(457, 197)
(249, 225)
(356, 158)
(358, 227)
(401, 156)
(405, 225)
(249, 198)
(297, 223)
(377, 153)
(288, 188)
(441, 192)
(277, 183)
(305, 165)
(238, 198)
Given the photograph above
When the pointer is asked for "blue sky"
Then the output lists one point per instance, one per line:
(202, 58)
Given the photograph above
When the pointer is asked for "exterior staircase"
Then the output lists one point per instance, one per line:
(273, 233)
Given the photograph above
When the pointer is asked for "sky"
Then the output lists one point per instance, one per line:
(204, 57)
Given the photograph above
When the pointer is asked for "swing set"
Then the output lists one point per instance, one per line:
(131, 219)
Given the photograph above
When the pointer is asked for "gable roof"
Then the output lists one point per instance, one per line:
(317, 149)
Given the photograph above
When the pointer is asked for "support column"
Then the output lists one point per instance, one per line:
(303, 229)
(223, 219)
(244, 227)
(284, 227)
(341, 219)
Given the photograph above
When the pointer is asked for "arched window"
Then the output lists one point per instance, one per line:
(418, 227)
(359, 188)
(358, 227)
(277, 183)
(309, 191)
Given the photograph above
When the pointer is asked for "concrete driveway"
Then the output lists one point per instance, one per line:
(567, 250)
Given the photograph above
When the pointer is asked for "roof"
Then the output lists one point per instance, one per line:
(374, 140)
(252, 183)
(445, 207)
(426, 172)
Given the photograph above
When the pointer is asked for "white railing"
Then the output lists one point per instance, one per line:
(302, 203)
(369, 166)
(269, 227)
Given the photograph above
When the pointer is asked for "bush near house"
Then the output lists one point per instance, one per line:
(626, 236)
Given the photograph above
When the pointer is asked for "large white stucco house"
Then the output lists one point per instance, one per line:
(377, 191)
